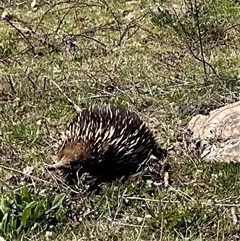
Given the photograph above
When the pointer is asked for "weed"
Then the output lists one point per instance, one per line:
(24, 213)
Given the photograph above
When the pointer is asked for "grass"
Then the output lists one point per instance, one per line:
(166, 65)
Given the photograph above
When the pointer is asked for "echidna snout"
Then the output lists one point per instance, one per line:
(71, 153)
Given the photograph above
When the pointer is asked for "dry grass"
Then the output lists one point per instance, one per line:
(75, 53)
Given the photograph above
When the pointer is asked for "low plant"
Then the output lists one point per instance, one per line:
(26, 213)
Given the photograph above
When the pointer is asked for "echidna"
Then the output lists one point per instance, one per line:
(107, 142)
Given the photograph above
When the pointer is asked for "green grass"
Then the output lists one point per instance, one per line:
(126, 53)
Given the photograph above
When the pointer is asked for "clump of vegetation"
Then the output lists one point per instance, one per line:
(24, 213)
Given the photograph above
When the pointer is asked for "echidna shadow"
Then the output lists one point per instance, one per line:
(107, 142)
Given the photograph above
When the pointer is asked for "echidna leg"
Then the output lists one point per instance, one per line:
(157, 170)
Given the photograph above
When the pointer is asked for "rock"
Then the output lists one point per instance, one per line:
(218, 133)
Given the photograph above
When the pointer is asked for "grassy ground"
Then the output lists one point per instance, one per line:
(166, 65)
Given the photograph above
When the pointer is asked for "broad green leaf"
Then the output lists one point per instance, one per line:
(27, 213)
(57, 201)
(59, 213)
(4, 223)
(26, 195)
(4, 205)
(13, 222)
(38, 209)
(25, 216)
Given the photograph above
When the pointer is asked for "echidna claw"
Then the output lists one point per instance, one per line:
(55, 166)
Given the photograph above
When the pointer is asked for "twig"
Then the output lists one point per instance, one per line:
(10, 81)
(141, 228)
(59, 3)
(4, 59)
(20, 172)
(200, 37)
(132, 24)
(46, 12)
(22, 34)
(202, 60)
(128, 224)
(105, 3)
(31, 81)
(229, 28)
(59, 180)
(64, 16)
(76, 107)
(143, 199)
(234, 216)
(90, 38)
(232, 205)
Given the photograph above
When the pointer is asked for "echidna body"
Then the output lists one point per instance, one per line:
(106, 141)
